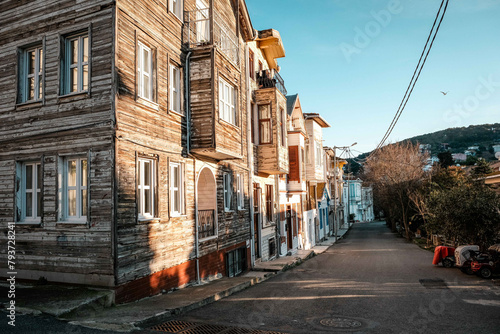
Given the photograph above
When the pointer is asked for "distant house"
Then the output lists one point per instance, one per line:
(459, 157)
(425, 148)
(473, 148)
(470, 153)
(496, 148)
(445, 146)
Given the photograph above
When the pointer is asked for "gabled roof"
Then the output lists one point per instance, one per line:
(316, 117)
(290, 103)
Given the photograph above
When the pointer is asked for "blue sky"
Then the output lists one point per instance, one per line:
(358, 83)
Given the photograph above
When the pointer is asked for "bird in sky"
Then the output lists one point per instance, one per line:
(444, 93)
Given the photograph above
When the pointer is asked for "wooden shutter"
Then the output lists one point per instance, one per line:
(293, 155)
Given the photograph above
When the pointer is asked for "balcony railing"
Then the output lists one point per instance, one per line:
(270, 79)
(198, 33)
(206, 223)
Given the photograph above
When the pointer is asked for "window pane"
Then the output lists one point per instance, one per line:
(29, 176)
(40, 87)
(265, 135)
(39, 176)
(147, 201)
(71, 202)
(29, 204)
(84, 202)
(85, 77)
(31, 83)
(85, 49)
(38, 204)
(175, 170)
(264, 112)
(73, 79)
(40, 59)
(145, 61)
(146, 87)
(147, 173)
(72, 173)
(31, 62)
(84, 172)
(175, 194)
(74, 51)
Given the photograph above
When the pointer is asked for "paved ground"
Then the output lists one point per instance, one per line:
(373, 281)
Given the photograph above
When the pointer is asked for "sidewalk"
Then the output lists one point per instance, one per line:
(92, 307)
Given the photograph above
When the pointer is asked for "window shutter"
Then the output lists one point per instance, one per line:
(60, 185)
(89, 157)
(230, 192)
(293, 156)
(19, 170)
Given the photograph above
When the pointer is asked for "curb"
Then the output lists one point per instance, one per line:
(167, 314)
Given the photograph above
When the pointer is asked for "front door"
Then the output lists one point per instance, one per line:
(256, 219)
(289, 227)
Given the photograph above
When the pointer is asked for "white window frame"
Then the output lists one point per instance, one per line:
(319, 157)
(79, 65)
(175, 89)
(240, 191)
(176, 167)
(228, 192)
(78, 188)
(35, 191)
(202, 22)
(141, 188)
(144, 72)
(227, 98)
(37, 75)
(176, 7)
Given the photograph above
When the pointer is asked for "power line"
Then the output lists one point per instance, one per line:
(416, 75)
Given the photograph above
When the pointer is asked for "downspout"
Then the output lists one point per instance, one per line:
(188, 151)
(250, 159)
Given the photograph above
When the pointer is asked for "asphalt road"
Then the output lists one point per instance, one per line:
(372, 281)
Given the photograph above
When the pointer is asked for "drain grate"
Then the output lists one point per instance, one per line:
(173, 326)
(340, 323)
(181, 327)
(434, 283)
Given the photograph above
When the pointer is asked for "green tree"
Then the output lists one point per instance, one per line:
(468, 213)
(445, 159)
(482, 168)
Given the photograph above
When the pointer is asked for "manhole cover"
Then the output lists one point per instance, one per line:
(433, 283)
(340, 323)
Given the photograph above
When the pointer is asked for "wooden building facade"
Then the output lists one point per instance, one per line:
(124, 126)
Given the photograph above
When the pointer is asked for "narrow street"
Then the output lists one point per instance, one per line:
(370, 282)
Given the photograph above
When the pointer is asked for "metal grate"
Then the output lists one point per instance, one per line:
(181, 327)
(173, 326)
(433, 283)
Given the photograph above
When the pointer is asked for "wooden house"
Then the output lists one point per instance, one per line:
(269, 155)
(315, 175)
(125, 150)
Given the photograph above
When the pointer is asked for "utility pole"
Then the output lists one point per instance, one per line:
(335, 173)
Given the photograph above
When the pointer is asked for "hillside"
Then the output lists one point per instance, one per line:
(459, 139)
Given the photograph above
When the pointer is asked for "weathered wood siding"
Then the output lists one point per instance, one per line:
(145, 247)
(59, 126)
(150, 129)
(273, 158)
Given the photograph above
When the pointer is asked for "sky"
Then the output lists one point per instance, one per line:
(352, 60)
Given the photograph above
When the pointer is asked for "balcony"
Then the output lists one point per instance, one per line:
(198, 30)
(272, 152)
(206, 223)
(271, 78)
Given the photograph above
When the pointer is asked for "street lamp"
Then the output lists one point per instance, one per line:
(335, 220)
